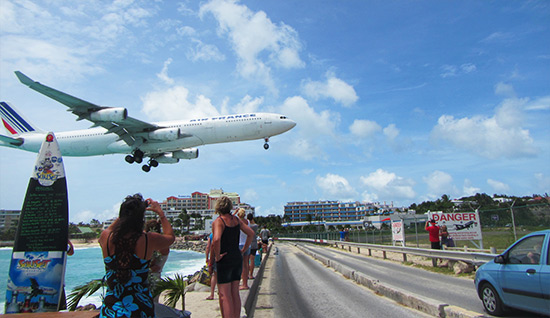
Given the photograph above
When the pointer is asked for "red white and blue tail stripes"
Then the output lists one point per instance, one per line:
(13, 121)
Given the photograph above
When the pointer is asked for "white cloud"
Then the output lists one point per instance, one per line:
(391, 132)
(440, 183)
(336, 186)
(490, 137)
(453, 70)
(310, 123)
(542, 103)
(498, 186)
(248, 105)
(333, 88)
(306, 150)
(364, 128)
(504, 89)
(468, 189)
(163, 75)
(257, 41)
(173, 103)
(386, 185)
(204, 52)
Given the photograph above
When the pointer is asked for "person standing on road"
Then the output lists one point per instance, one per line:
(253, 245)
(241, 214)
(229, 259)
(264, 235)
(433, 230)
(211, 266)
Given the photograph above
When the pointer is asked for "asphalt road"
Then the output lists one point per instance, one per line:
(302, 287)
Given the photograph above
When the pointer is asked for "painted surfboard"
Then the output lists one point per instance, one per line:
(37, 268)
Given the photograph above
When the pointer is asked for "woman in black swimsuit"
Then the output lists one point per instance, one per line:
(229, 260)
(127, 252)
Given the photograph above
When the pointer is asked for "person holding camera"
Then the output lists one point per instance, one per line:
(127, 252)
(433, 230)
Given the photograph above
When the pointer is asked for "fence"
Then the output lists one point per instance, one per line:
(476, 258)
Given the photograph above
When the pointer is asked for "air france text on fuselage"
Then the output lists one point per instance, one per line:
(224, 117)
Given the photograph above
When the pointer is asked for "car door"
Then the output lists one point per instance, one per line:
(520, 277)
(545, 274)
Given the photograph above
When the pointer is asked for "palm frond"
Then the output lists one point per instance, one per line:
(174, 288)
(83, 290)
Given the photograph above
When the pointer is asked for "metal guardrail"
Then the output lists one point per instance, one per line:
(468, 257)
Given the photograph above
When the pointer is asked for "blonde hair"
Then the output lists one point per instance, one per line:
(224, 205)
(241, 213)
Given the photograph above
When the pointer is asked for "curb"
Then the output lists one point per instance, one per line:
(251, 298)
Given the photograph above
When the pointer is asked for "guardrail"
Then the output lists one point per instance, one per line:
(467, 257)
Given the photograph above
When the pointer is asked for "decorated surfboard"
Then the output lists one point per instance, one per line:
(37, 268)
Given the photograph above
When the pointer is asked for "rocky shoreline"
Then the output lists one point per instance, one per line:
(182, 244)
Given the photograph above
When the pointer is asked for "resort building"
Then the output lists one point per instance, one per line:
(9, 219)
(334, 210)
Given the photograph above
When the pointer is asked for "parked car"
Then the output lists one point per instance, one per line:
(518, 278)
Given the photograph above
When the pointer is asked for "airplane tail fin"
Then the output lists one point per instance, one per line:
(14, 122)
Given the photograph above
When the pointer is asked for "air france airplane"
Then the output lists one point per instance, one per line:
(114, 132)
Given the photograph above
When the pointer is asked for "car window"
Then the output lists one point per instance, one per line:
(526, 251)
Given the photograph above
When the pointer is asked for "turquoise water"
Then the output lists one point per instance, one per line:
(87, 264)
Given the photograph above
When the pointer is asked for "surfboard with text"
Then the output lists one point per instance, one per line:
(37, 268)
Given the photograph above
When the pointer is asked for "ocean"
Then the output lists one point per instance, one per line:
(87, 264)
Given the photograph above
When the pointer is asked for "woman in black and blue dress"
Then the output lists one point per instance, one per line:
(127, 253)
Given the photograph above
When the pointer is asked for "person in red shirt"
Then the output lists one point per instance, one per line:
(434, 234)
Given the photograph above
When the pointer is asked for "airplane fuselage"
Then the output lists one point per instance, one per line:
(196, 132)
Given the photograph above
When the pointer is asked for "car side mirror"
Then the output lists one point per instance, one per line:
(500, 259)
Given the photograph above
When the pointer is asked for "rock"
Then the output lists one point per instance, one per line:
(461, 267)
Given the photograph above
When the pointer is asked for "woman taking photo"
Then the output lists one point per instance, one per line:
(127, 253)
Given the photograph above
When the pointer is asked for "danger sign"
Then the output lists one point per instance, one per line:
(462, 226)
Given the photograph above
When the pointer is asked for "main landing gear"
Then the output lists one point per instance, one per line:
(137, 157)
(266, 145)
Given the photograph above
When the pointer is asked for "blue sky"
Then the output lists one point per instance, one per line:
(395, 101)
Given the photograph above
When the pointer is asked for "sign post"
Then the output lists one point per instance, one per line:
(37, 268)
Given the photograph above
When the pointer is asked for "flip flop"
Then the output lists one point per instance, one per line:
(209, 298)
(243, 288)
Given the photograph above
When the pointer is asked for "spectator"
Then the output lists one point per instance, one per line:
(211, 266)
(264, 235)
(127, 252)
(229, 259)
(241, 214)
(433, 230)
(445, 238)
(253, 246)
(159, 257)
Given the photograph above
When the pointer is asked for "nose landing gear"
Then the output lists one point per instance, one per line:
(266, 145)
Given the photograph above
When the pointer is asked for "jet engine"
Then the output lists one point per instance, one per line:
(115, 114)
(167, 158)
(191, 153)
(165, 134)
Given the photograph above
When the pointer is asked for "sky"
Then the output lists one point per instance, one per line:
(396, 102)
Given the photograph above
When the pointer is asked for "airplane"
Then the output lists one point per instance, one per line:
(34, 289)
(114, 132)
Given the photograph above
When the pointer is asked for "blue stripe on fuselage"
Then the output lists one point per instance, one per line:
(14, 118)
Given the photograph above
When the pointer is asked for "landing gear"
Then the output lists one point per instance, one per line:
(137, 157)
(152, 163)
(266, 145)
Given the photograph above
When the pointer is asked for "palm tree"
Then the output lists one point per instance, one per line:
(174, 287)
(81, 291)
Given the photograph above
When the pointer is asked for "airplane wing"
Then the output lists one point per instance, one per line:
(114, 119)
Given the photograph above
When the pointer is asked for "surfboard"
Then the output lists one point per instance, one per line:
(37, 268)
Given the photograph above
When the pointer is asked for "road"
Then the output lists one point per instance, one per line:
(296, 285)
(300, 286)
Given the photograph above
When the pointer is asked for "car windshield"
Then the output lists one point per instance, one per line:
(527, 251)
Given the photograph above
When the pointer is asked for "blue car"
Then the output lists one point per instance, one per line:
(518, 278)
